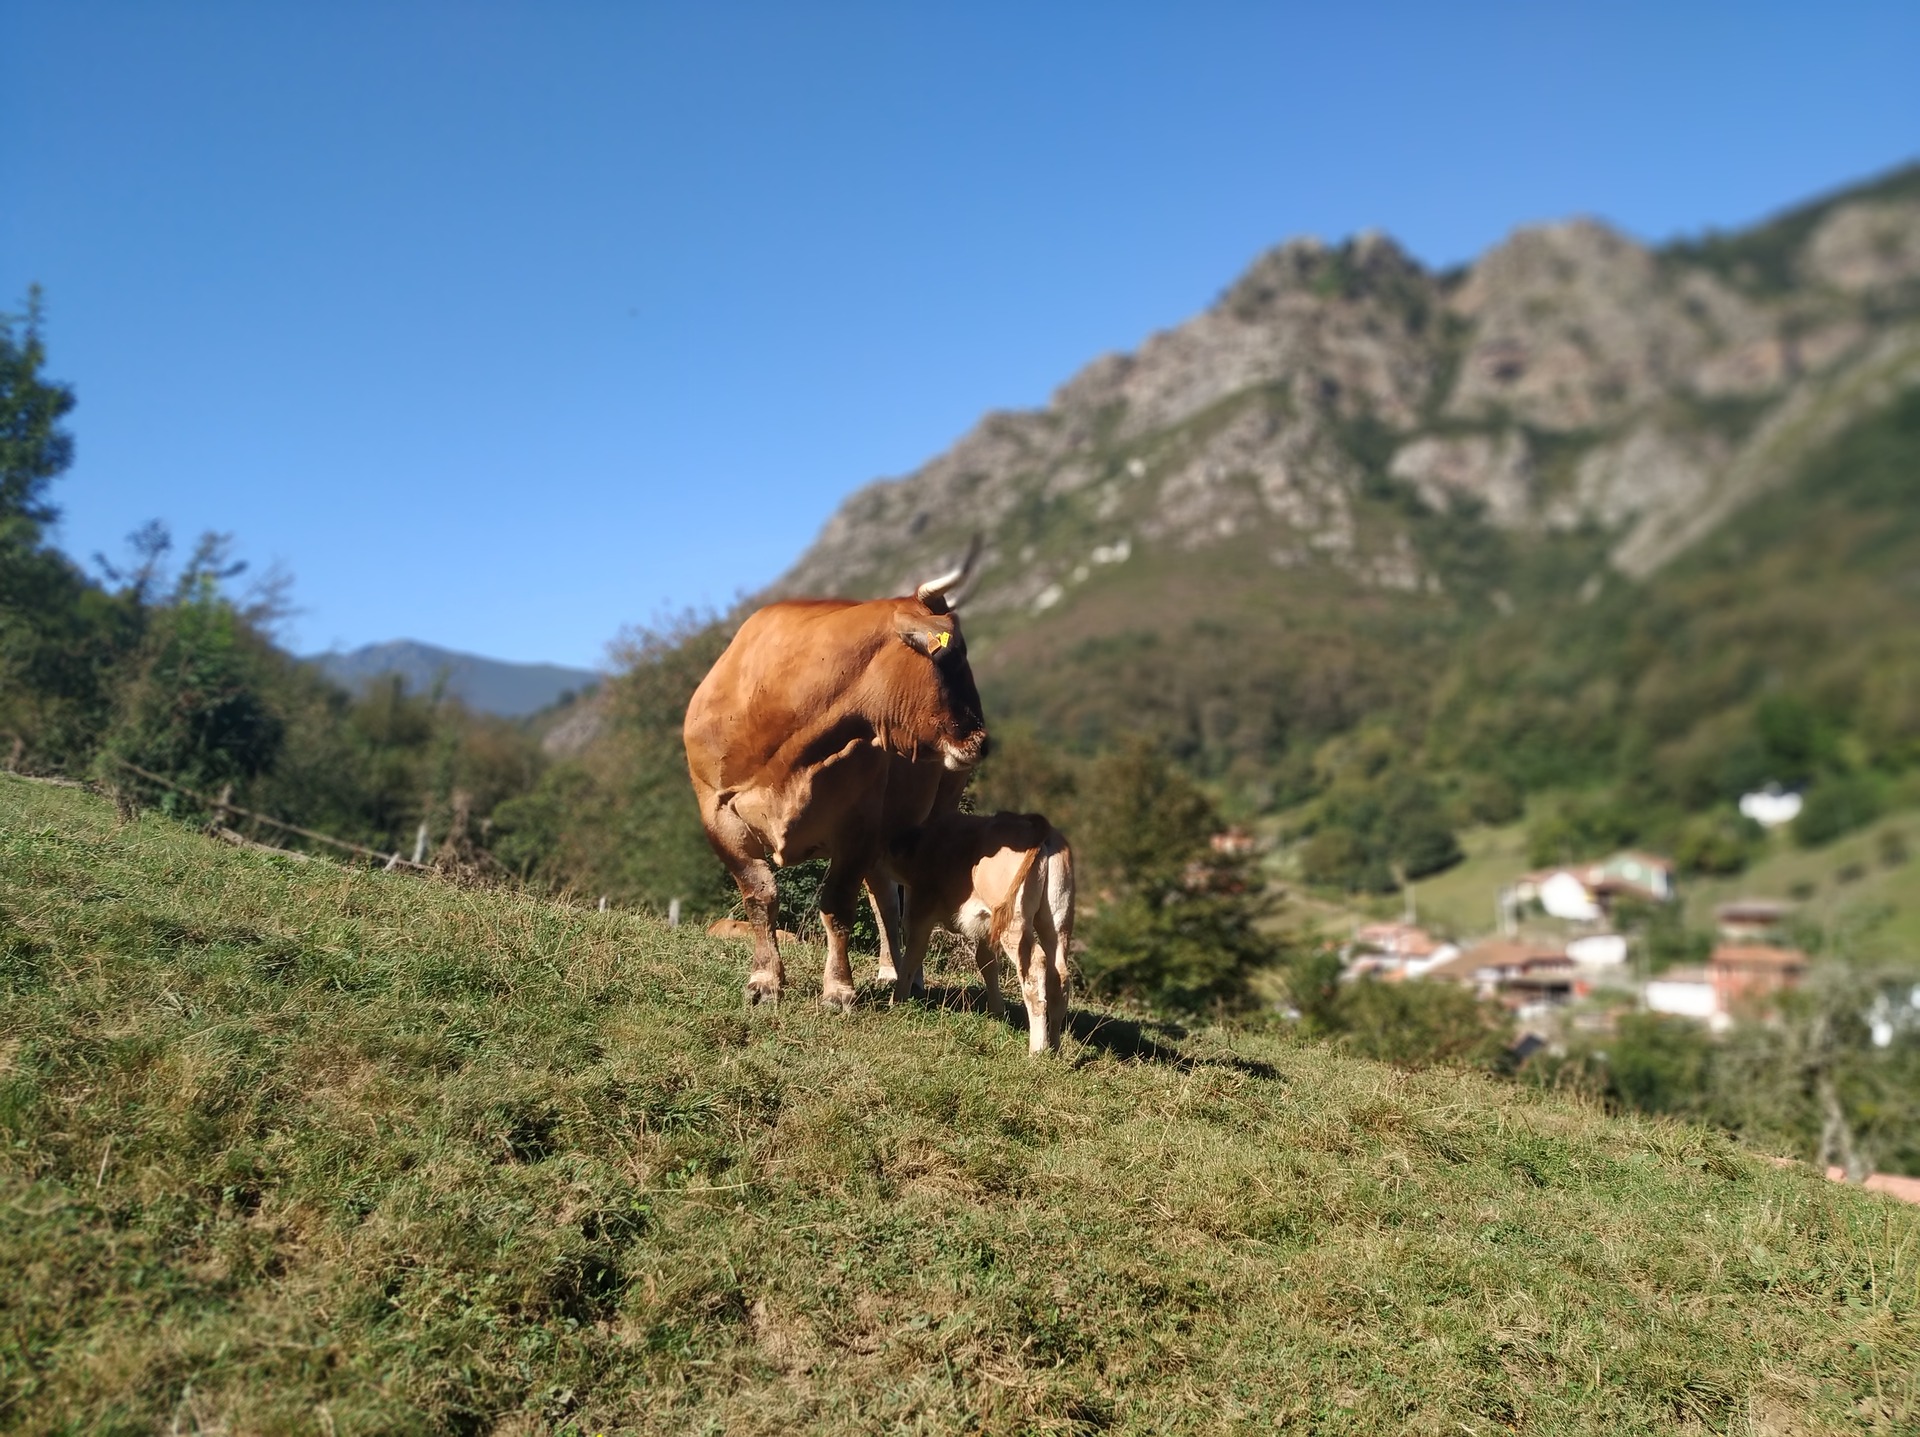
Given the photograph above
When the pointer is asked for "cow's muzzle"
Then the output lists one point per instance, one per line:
(965, 753)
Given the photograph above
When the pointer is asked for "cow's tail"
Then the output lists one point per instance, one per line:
(1007, 912)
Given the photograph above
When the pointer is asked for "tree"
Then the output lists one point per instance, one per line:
(34, 449)
(620, 818)
(1173, 925)
(196, 708)
(60, 637)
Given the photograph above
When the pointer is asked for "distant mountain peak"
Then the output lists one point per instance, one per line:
(1571, 377)
(485, 685)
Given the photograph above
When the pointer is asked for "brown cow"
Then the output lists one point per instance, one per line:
(1005, 881)
(828, 728)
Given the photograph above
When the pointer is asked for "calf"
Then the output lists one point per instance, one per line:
(1005, 881)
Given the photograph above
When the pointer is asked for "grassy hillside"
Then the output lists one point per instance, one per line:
(1866, 884)
(285, 1147)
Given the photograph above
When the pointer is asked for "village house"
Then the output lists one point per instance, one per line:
(1392, 951)
(1526, 977)
(1737, 980)
(1746, 920)
(1686, 993)
(1586, 892)
(1746, 975)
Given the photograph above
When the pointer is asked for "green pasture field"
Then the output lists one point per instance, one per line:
(286, 1147)
(1865, 886)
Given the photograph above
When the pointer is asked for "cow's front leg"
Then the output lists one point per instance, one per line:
(836, 914)
(761, 899)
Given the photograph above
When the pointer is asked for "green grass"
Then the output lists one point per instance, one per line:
(292, 1148)
(1461, 901)
(1848, 886)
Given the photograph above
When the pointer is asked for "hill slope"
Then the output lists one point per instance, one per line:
(490, 686)
(286, 1144)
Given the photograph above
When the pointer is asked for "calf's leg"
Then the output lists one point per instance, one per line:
(1048, 970)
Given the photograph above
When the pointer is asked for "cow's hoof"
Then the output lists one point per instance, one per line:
(837, 999)
(759, 992)
(887, 974)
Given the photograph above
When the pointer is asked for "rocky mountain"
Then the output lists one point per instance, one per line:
(1570, 381)
(486, 685)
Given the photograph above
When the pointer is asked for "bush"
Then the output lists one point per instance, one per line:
(1660, 1064)
(1488, 798)
(1187, 954)
(1663, 933)
(1718, 843)
(1175, 925)
(1835, 807)
(1376, 825)
(1581, 825)
(195, 708)
(1418, 1025)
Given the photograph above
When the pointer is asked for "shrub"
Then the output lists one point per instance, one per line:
(1417, 1025)
(1490, 798)
(1580, 826)
(195, 709)
(1718, 843)
(1835, 807)
(1174, 927)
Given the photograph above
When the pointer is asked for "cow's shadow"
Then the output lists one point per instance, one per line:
(1133, 1040)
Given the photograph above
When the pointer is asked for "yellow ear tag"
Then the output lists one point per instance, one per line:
(939, 639)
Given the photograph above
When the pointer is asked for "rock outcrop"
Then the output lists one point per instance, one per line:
(1571, 377)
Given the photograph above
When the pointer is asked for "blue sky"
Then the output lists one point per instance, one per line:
(503, 326)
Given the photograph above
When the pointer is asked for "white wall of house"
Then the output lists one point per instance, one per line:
(1683, 997)
(1598, 950)
(1564, 896)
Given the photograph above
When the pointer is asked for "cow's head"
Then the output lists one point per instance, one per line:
(928, 624)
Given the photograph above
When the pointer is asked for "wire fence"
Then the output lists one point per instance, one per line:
(224, 806)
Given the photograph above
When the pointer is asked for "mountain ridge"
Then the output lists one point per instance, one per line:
(493, 686)
(1570, 376)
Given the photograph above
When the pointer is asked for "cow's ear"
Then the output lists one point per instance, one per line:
(933, 640)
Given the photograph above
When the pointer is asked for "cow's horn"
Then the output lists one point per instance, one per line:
(933, 593)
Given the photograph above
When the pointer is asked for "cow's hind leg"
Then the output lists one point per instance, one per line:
(1046, 972)
(837, 896)
(917, 930)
